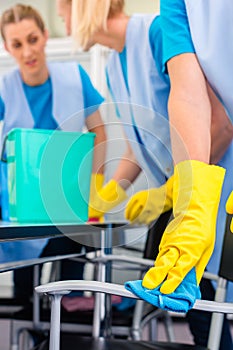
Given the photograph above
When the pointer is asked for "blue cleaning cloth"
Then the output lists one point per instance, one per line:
(181, 300)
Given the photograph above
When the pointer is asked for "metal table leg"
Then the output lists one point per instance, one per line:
(102, 310)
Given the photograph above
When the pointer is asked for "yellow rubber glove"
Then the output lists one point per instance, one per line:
(107, 198)
(189, 238)
(97, 181)
(146, 206)
(229, 208)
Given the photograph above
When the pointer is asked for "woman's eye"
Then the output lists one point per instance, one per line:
(16, 45)
(33, 40)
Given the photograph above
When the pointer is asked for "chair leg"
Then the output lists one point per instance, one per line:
(17, 327)
(27, 342)
(153, 329)
(100, 272)
(14, 341)
(169, 329)
(54, 340)
(217, 318)
(137, 318)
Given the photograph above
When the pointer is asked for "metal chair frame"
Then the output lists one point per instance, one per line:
(57, 290)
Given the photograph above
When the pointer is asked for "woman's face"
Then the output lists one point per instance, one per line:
(64, 11)
(26, 43)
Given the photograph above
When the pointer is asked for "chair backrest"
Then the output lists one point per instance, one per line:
(57, 289)
(154, 235)
(225, 269)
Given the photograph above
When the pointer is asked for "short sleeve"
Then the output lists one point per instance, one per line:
(175, 29)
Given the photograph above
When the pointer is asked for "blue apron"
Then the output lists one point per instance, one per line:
(211, 27)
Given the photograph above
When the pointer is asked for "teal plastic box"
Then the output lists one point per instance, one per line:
(49, 174)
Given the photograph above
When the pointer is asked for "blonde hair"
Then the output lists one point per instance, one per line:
(89, 16)
(18, 13)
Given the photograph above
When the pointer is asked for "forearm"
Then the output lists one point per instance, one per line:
(99, 152)
(113, 192)
(189, 110)
(127, 170)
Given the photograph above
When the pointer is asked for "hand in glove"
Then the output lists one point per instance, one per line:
(189, 238)
(107, 198)
(146, 206)
(229, 208)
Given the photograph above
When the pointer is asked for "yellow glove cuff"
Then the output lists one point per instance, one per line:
(229, 209)
(229, 204)
(97, 181)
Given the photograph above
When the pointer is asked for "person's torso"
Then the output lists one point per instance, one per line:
(62, 100)
(141, 98)
(211, 28)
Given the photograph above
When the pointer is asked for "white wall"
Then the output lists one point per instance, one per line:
(55, 25)
(147, 6)
(43, 6)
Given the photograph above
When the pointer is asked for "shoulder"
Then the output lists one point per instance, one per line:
(155, 32)
(11, 75)
(10, 82)
(155, 37)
